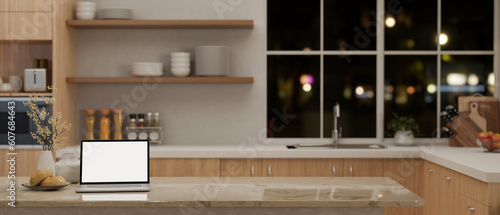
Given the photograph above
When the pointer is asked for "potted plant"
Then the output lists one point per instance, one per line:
(49, 128)
(403, 129)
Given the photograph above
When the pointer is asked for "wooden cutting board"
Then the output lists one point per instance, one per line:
(465, 131)
(488, 109)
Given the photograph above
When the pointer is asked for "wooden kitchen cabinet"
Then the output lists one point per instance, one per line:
(185, 167)
(301, 167)
(363, 167)
(34, 26)
(407, 172)
(468, 206)
(25, 5)
(449, 188)
(26, 162)
(431, 189)
(240, 168)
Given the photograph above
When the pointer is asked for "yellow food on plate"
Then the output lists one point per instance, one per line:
(40, 175)
(53, 181)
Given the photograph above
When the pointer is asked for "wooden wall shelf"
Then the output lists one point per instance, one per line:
(129, 80)
(23, 94)
(173, 24)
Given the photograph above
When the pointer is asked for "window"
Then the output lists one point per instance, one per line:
(374, 58)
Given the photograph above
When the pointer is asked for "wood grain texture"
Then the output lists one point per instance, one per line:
(465, 131)
(25, 5)
(474, 189)
(494, 199)
(26, 162)
(449, 191)
(20, 26)
(301, 167)
(175, 24)
(431, 188)
(363, 167)
(64, 65)
(407, 172)
(240, 167)
(185, 167)
(126, 80)
(488, 108)
(15, 57)
(466, 205)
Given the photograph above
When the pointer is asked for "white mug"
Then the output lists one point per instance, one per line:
(6, 87)
(16, 82)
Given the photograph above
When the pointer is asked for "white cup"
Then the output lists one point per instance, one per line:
(180, 54)
(86, 4)
(16, 82)
(6, 87)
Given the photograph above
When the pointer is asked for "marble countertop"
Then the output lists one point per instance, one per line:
(469, 161)
(231, 192)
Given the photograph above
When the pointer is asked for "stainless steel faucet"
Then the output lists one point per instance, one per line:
(336, 132)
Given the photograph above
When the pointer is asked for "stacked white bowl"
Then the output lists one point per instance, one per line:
(147, 69)
(85, 10)
(180, 64)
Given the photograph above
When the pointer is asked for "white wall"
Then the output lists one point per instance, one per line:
(191, 114)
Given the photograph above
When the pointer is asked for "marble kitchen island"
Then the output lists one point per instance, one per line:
(230, 195)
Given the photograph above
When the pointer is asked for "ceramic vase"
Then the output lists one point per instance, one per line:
(404, 138)
(46, 160)
(69, 167)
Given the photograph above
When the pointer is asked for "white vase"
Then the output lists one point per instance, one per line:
(46, 160)
(69, 167)
(404, 138)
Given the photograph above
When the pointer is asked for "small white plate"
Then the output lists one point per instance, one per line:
(40, 188)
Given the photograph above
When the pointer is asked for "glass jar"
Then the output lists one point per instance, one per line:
(156, 120)
(104, 124)
(118, 115)
(90, 122)
(148, 122)
(132, 121)
(140, 120)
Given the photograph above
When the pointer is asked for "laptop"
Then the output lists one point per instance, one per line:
(114, 166)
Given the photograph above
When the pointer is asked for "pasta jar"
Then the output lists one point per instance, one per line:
(104, 124)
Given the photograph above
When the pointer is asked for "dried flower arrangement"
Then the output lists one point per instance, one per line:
(49, 128)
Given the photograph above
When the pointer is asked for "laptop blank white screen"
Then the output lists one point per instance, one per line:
(116, 161)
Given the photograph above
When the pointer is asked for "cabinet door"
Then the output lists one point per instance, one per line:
(185, 167)
(26, 26)
(25, 5)
(449, 191)
(240, 167)
(431, 188)
(363, 168)
(407, 172)
(471, 207)
(301, 167)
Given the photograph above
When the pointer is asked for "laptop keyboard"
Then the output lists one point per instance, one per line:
(115, 186)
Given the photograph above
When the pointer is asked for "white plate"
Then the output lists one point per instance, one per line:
(40, 188)
(147, 63)
(141, 74)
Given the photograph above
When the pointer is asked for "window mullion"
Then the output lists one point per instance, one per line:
(438, 78)
(380, 19)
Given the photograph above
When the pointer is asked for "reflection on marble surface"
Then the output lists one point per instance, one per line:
(115, 197)
(240, 192)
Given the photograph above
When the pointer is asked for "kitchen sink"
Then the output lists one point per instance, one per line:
(339, 146)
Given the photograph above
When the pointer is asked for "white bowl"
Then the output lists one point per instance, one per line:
(180, 60)
(85, 15)
(180, 54)
(85, 11)
(148, 66)
(180, 65)
(180, 69)
(147, 63)
(180, 72)
(86, 3)
(86, 8)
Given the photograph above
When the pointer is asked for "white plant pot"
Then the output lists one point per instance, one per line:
(404, 138)
(69, 167)
(46, 160)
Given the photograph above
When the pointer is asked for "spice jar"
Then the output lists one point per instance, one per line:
(156, 120)
(104, 124)
(132, 121)
(148, 122)
(140, 120)
(118, 115)
(90, 122)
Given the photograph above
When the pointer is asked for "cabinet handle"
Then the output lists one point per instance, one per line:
(447, 178)
(350, 169)
(253, 170)
(333, 170)
(471, 209)
(269, 169)
(430, 170)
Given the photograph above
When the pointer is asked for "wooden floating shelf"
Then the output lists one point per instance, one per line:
(131, 80)
(23, 94)
(174, 24)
